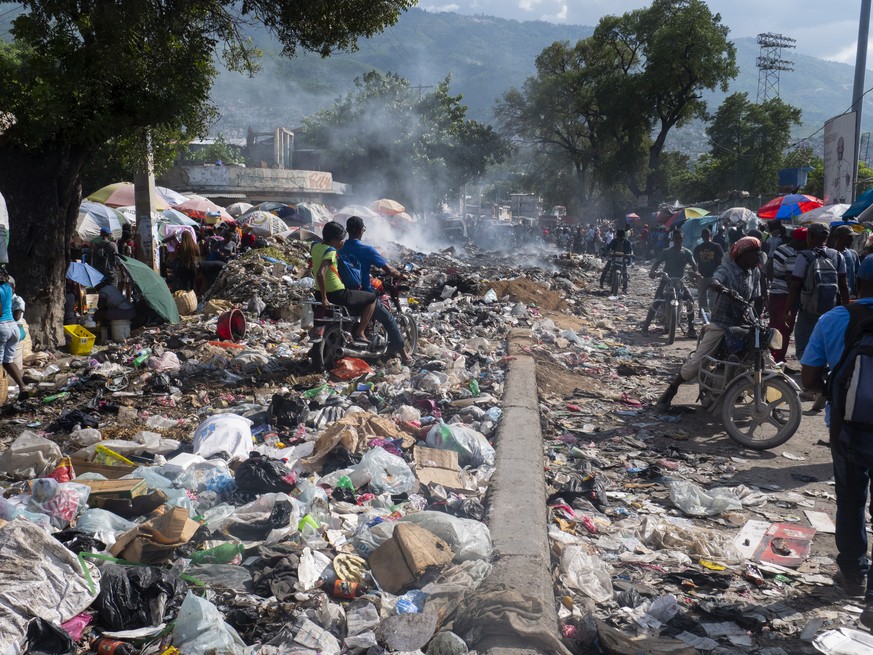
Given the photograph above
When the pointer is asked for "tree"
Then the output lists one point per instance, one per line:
(610, 101)
(747, 141)
(80, 74)
(389, 140)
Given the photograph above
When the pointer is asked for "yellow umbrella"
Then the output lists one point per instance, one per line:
(387, 207)
(121, 194)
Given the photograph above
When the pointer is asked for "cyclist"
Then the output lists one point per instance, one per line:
(675, 259)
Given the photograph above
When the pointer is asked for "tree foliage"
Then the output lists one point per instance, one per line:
(610, 101)
(81, 74)
(386, 138)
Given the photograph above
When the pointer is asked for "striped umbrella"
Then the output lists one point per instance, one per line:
(121, 194)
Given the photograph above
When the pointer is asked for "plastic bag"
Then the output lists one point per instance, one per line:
(222, 576)
(29, 456)
(213, 475)
(201, 630)
(226, 435)
(137, 596)
(349, 368)
(269, 518)
(387, 472)
(586, 573)
(258, 475)
(61, 502)
(472, 447)
(407, 413)
(489, 297)
(103, 525)
(695, 501)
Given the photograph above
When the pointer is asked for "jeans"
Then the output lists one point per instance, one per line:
(852, 480)
(803, 328)
(395, 339)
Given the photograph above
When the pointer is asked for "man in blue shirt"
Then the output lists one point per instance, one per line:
(368, 256)
(853, 463)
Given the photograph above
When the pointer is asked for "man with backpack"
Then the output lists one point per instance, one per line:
(104, 256)
(818, 281)
(355, 252)
(843, 342)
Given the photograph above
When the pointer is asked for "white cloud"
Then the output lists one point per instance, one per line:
(437, 8)
(528, 5)
(560, 17)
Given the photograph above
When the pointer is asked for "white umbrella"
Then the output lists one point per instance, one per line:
(175, 217)
(736, 215)
(237, 209)
(263, 224)
(825, 215)
(354, 210)
(93, 216)
(172, 197)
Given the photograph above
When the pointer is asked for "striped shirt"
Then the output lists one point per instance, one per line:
(783, 263)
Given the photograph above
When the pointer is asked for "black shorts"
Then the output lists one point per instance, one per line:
(354, 301)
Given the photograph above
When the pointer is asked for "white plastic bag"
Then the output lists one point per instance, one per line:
(695, 501)
(472, 447)
(201, 630)
(387, 472)
(227, 435)
(103, 525)
(29, 456)
(586, 573)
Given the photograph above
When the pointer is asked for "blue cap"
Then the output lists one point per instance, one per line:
(865, 272)
(105, 230)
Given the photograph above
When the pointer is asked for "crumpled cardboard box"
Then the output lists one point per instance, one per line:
(155, 540)
(406, 556)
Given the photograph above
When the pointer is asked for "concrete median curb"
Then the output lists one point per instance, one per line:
(517, 517)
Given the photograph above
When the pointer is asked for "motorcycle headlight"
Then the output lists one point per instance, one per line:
(775, 340)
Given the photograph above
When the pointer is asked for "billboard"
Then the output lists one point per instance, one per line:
(839, 156)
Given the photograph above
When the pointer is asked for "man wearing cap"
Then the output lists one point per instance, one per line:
(816, 237)
(368, 256)
(781, 265)
(735, 283)
(853, 462)
(841, 240)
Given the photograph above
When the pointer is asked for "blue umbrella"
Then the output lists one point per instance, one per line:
(863, 201)
(87, 276)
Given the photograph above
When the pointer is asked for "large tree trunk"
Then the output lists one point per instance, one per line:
(42, 193)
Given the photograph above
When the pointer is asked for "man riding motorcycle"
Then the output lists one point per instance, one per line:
(736, 282)
(621, 245)
(675, 259)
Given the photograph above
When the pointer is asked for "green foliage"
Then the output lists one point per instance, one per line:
(609, 101)
(389, 139)
(220, 149)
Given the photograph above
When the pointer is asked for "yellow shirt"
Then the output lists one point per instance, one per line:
(332, 279)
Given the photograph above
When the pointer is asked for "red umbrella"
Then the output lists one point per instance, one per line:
(198, 208)
(786, 207)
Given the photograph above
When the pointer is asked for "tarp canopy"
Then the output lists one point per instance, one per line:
(153, 289)
(692, 229)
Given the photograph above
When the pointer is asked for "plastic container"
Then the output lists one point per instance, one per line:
(119, 330)
(81, 340)
(231, 325)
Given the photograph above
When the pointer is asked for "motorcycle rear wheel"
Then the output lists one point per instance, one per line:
(328, 351)
(672, 320)
(409, 330)
(769, 426)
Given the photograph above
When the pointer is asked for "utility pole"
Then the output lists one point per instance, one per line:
(144, 190)
(858, 91)
(421, 87)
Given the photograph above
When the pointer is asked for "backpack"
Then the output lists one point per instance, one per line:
(100, 258)
(820, 289)
(348, 267)
(850, 384)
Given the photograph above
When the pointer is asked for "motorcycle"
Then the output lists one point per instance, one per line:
(759, 405)
(617, 272)
(332, 327)
(670, 310)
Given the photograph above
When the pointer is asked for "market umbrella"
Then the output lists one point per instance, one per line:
(93, 217)
(787, 207)
(825, 215)
(683, 215)
(402, 217)
(268, 206)
(263, 224)
(153, 289)
(354, 210)
(171, 197)
(861, 203)
(736, 215)
(175, 217)
(387, 207)
(121, 194)
(237, 209)
(4, 213)
(198, 208)
(632, 216)
(83, 274)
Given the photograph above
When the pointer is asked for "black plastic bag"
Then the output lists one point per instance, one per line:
(79, 542)
(44, 638)
(287, 411)
(280, 517)
(261, 475)
(137, 596)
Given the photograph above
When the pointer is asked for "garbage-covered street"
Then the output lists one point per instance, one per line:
(220, 495)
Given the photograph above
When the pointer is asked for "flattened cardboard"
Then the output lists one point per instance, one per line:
(434, 466)
(83, 465)
(156, 539)
(115, 489)
(410, 552)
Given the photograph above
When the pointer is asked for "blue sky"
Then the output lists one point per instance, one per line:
(825, 29)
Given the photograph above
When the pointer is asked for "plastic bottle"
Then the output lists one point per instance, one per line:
(343, 589)
(222, 554)
(142, 357)
(113, 647)
(54, 397)
(474, 387)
